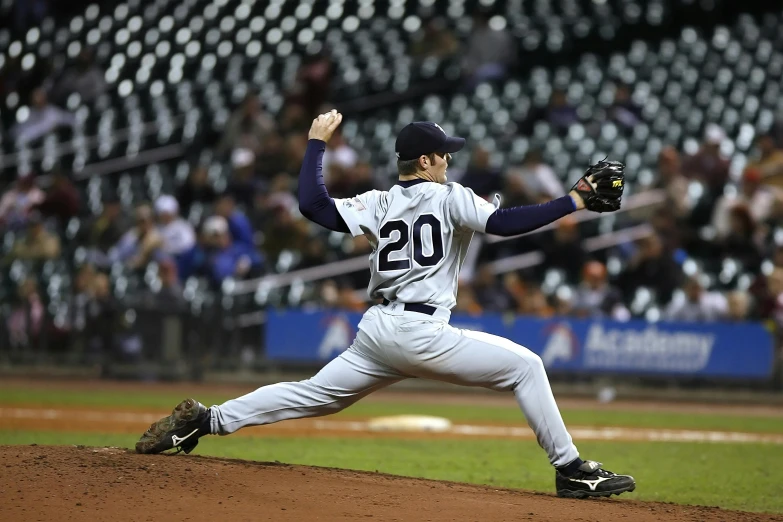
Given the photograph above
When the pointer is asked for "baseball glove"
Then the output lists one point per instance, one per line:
(601, 187)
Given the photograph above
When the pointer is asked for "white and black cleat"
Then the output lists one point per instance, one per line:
(180, 430)
(590, 480)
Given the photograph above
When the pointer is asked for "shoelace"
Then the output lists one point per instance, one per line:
(602, 473)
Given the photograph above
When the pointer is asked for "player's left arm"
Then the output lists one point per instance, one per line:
(600, 190)
(520, 220)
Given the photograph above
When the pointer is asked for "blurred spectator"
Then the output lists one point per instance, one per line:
(83, 78)
(652, 267)
(480, 176)
(62, 199)
(738, 304)
(284, 232)
(708, 165)
(43, 119)
(313, 83)
(517, 290)
(563, 302)
(197, 189)
(741, 241)
(489, 292)
(595, 297)
(106, 230)
(101, 313)
(623, 111)
(168, 296)
(434, 40)
(532, 182)
(351, 182)
(772, 298)
(466, 301)
(348, 298)
(560, 113)
(295, 147)
(314, 253)
(279, 196)
(17, 202)
(178, 239)
(247, 127)
(536, 304)
(293, 119)
(328, 295)
(768, 161)
(80, 297)
(490, 52)
(674, 234)
(337, 156)
(26, 321)
(563, 249)
(272, 158)
(226, 257)
(671, 180)
(138, 246)
(238, 224)
(242, 185)
(37, 244)
(758, 199)
(696, 305)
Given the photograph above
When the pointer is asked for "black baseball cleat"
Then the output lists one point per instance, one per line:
(589, 480)
(180, 430)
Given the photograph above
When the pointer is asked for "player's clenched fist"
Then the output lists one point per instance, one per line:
(324, 125)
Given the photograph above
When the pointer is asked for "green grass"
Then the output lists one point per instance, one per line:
(673, 472)
(369, 408)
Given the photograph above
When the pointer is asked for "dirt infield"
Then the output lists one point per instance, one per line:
(80, 483)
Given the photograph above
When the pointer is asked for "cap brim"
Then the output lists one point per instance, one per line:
(453, 145)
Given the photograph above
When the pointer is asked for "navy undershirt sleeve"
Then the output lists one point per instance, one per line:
(519, 220)
(314, 201)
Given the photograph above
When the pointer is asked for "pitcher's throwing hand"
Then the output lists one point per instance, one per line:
(324, 125)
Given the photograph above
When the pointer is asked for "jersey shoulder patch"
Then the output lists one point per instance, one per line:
(355, 203)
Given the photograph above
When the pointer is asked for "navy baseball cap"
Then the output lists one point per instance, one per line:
(424, 137)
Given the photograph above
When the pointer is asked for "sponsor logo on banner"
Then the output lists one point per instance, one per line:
(337, 338)
(647, 349)
(561, 345)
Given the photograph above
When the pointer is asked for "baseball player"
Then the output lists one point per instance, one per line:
(420, 230)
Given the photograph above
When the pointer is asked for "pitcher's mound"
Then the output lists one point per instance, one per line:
(82, 483)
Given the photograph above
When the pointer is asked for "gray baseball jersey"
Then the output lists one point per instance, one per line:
(420, 235)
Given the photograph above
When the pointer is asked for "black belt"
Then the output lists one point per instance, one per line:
(416, 307)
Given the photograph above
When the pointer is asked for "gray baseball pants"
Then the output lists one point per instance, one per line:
(393, 344)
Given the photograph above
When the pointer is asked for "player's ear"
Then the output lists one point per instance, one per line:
(424, 162)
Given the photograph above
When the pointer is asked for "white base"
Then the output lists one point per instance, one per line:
(410, 423)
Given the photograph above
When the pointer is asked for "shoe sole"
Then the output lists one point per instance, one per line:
(158, 438)
(578, 493)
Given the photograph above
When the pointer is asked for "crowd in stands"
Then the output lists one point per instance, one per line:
(253, 227)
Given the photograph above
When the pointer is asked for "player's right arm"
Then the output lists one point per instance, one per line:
(470, 211)
(352, 215)
(314, 201)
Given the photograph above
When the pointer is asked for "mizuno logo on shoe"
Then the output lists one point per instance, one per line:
(176, 441)
(592, 484)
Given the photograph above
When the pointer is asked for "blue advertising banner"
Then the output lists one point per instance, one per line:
(740, 351)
